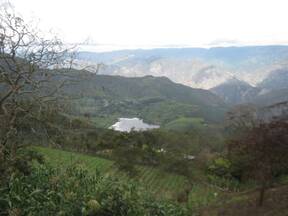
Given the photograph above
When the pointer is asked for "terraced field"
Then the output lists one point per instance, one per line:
(161, 183)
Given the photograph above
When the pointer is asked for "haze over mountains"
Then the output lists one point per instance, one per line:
(237, 74)
(273, 89)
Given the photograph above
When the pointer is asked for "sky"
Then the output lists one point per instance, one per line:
(161, 23)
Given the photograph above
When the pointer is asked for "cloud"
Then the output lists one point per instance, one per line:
(225, 43)
(162, 22)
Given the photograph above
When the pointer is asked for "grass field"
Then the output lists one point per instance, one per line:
(204, 199)
(163, 184)
(185, 124)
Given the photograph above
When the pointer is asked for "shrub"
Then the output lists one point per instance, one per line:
(220, 167)
(223, 173)
(75, 191)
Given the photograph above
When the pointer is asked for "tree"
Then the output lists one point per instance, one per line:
(28, 84)
(262, 152)
(241, 118)
(127, 152)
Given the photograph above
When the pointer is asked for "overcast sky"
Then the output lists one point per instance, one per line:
(147, 23)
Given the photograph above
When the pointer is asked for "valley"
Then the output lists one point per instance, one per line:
(157, 100)
(143, 108)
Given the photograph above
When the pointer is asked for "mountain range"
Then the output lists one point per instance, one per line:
(195, 67)
(236, 74)
(273, 89)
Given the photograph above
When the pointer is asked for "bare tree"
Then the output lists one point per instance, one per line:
(261, 151)
(29, 66)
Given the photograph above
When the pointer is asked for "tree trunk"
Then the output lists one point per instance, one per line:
(262, 194)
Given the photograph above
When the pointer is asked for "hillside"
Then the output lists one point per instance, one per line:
(244, 204)
(203, 199)
(273, 89)
(271, 97)
(277, 79)
(235, 91)
(163, 185)
(167, 186)
(106, 98)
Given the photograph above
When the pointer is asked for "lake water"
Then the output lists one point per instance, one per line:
(127, 124)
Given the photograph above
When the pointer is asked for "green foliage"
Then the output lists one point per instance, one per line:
(106, 98)
(186, 124)
(162, 184)
(201, 196)
(143, 148)
(18, 164)
(222, 173)
(125, 160)
(227, 184)
(75, 191)
(220, 167)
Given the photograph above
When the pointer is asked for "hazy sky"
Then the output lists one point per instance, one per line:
(144, 23)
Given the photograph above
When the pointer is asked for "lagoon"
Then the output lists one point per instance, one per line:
(129, 124)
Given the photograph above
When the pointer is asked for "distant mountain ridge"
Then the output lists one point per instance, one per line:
(277, 79)
(195, 67)
(235, 91)
(251, 74)
(273, 89)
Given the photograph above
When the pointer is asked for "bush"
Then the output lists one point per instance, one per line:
(220, 167)
(223, 173)
(74, 191)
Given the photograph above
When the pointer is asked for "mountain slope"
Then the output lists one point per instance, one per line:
(273, 89)
(271, 97)
(155, 99)
(235, 91)
(277, 79)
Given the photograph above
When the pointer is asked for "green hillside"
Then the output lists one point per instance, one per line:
(162, 183)
(186, 124)
(157, 100)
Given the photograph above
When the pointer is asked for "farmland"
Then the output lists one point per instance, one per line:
(156, 181)
(162, 184)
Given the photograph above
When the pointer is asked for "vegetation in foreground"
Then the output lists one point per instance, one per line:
(160, 183)
(30, 110)
(75, 191)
